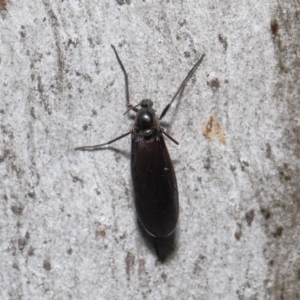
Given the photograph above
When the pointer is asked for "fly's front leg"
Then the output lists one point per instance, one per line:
(182, 86)
(128, 104)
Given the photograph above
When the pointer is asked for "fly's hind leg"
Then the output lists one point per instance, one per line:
(97, 147)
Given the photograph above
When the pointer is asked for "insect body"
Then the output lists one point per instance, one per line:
(153, 176)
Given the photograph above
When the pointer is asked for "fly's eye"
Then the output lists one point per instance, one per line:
(146, 103)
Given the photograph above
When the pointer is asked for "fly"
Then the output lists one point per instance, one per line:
(153, 176)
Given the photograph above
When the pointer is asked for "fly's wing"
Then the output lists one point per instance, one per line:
(154, 183)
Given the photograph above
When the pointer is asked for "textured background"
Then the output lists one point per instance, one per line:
(67, 222)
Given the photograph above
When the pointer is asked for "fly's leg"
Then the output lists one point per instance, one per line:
(97, 147)
(182, 86)
(129, 105)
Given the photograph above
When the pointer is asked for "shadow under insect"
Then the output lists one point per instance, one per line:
(163, 247)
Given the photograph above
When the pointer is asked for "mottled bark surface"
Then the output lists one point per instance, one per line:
(67, 220)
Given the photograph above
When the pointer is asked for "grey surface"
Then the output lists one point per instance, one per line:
(67, 222)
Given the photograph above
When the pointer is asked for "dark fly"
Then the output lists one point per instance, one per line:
(153, 176)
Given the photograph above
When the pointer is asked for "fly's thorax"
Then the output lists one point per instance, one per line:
(145, 118)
